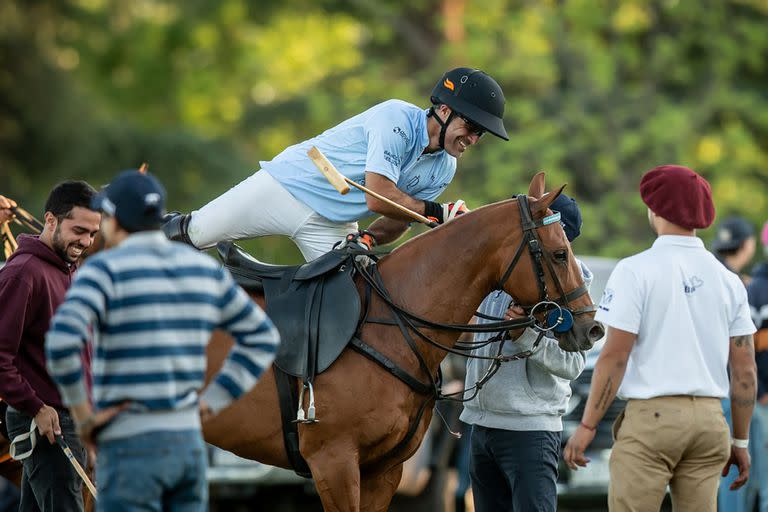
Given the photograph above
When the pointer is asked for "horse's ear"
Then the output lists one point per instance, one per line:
(536, 188)
(547, 200)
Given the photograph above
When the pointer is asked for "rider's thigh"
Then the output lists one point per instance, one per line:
(257, 206)
(317, 235)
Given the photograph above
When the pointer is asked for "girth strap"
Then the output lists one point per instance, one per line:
(374, 355)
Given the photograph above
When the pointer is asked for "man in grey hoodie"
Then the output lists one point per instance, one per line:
(516, 417)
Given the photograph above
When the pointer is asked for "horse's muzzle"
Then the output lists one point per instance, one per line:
(582, 336)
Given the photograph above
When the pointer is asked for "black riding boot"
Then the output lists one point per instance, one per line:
(175, 227)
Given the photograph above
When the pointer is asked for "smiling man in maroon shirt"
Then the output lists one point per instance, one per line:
(32, 285)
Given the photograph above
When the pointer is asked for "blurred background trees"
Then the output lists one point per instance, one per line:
(598, 91)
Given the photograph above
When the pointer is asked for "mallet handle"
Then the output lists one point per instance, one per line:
(78, 468)
(339, 181)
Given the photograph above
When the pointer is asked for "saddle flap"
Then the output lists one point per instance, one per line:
(324, 312)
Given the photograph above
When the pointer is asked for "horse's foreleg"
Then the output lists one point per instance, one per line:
(336, 472)
(376, 491)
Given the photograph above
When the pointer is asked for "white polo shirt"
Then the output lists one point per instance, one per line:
(684, 305)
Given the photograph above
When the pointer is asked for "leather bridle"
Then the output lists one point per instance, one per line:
(539, 259)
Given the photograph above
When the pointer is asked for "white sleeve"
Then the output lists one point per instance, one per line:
(621, 305)
(741, 323)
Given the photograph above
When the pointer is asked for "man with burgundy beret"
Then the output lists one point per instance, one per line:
(677, 320)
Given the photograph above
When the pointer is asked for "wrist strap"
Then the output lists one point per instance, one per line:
(740, 443)
(433, 210)
(592, 429)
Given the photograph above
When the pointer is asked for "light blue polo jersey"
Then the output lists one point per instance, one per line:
(387, 139)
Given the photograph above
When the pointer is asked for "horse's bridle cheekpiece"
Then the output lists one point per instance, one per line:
(560, 318)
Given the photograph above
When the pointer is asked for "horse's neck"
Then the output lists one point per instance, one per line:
(444, 275)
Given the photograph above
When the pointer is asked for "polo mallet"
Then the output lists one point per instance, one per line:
(80, 471)
(26, 219)
(339, 182)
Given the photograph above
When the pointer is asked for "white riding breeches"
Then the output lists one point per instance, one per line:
(260, 206)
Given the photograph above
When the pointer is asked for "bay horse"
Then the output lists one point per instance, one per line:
(356, 450)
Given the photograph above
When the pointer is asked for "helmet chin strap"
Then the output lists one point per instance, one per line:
(443, 125)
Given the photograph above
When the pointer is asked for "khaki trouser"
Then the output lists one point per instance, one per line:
(680, 441)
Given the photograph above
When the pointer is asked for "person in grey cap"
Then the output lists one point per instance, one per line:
(516, 416)
(734, 244)
(149, 305)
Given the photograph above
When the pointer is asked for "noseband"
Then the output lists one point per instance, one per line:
(561, 315)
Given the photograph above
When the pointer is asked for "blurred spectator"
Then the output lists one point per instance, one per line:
(734, 244)
(757, 290)
(161, 300)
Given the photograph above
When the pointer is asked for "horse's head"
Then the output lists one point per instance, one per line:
(547, 278)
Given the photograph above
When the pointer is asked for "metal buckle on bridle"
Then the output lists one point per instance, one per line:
(559, 319)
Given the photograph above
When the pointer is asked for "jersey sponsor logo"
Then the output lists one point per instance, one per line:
(402, 134)
(606, 299)
(692, 284)
(413, 181)
(392, 158)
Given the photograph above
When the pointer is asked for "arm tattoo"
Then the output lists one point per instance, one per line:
(603, 402)
(740, 341)
(742, 402)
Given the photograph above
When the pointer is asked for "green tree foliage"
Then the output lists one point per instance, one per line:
(598, 91)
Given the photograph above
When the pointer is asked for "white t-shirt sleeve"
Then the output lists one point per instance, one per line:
(621, 305)
(387, 147)
(742, 323)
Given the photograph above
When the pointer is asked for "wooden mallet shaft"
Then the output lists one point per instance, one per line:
(339, 182)
(78, 468)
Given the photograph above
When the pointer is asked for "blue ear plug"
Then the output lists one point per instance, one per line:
(565, 324)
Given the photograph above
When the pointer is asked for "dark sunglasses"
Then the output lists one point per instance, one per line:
(472, 126)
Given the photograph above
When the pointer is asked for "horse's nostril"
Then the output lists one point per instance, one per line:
(596, 332)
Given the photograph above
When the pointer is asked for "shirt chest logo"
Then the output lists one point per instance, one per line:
(402, 134)
(606, 299)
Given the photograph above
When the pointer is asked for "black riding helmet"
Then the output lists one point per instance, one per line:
(472, 94)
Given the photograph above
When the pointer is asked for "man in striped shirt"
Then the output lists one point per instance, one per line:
(149, 306)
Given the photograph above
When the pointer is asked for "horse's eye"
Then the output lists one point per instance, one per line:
(561, 256)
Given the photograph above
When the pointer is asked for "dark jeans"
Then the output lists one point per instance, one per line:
(49, 482)
(514, 470)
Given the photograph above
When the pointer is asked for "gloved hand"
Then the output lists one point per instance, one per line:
(443, 212)
(363, 239)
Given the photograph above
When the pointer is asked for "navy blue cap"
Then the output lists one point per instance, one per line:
(135, 199)
(570, 215)
(731, 233)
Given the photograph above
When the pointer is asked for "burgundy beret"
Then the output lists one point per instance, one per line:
(679, 195)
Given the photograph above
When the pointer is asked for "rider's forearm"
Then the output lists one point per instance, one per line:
(386, 230)
(388, 189)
